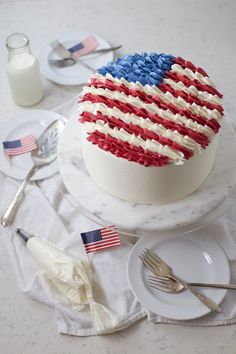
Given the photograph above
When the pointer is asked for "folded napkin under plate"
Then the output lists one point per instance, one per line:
(46, 212)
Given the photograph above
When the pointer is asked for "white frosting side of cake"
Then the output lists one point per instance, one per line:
(134, 182)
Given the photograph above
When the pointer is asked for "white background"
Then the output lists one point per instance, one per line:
(201, 31)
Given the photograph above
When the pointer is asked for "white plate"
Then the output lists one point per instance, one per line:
(195, 257)
(28, 122)
(77, 73)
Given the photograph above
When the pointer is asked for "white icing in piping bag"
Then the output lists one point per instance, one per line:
(71, 278)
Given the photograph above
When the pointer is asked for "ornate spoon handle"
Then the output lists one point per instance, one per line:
(9, 214)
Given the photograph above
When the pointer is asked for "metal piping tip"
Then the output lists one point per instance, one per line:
(25, 236)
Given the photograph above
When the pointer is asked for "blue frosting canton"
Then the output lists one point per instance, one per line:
(145, 68)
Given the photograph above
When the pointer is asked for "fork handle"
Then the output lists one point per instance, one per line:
(216, 286)
(201, 297)
(9, 214)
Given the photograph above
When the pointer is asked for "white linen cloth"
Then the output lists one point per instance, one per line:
(46, 212)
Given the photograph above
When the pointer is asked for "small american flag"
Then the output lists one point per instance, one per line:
(20, 146)
(86, 46)
(97, 240)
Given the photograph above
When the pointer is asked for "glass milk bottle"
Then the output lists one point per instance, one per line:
(23, 71)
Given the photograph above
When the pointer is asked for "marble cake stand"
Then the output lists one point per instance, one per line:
(145, 219)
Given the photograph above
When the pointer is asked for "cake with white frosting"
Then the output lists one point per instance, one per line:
(151, 124)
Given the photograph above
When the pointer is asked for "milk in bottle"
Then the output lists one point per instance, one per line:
(23, 71)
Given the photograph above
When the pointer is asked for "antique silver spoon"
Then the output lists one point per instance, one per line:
(68, 61)
(43, 155)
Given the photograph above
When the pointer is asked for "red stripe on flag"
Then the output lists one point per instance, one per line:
(109, 235)
(89, 45)
(112, 227)
(28, 144)
(99, 244)
(114, 238)
(101, 247)
(18, 152)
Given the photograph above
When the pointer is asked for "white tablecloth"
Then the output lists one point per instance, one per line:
(46, 212)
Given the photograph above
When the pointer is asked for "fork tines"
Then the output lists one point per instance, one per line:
(160, 283)
(150, 259)
(146, 261)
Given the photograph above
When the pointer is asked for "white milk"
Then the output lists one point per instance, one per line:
(24, 76)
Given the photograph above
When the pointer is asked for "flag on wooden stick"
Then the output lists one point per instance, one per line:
(100, 239)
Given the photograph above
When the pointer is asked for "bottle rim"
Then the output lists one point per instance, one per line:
(11, 41)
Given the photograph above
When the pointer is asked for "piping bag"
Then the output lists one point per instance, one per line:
(71, 278)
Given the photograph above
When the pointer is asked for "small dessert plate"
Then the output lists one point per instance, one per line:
(194, 257)
(76, 74)
(28, 122)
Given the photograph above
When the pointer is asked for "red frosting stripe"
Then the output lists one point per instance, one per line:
(187, 82)
(189, 65)
(199, 137)
(127, 151)
(212, 123)
(145, 134)
(108, 84)
(169, 107)
(128, 108)
(190, 98)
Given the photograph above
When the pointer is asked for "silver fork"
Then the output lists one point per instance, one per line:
(170, 283)
(64, 53)
(159, 268)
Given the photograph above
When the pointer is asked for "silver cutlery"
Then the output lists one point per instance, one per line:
(45, 154)
(159, 268)
(66, 55)
(61, 63)
(170, 284)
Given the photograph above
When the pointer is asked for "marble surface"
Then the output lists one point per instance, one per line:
(204, 32)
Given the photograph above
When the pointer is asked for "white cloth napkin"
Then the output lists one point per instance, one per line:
(47, 213)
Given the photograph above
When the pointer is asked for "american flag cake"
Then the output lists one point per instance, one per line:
(151, 123)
